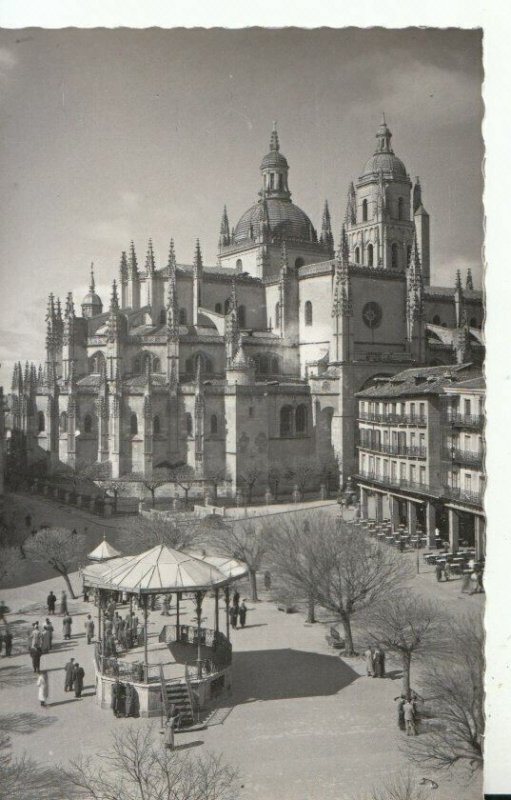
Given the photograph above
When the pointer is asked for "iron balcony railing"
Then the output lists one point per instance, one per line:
(400, 483)
(392, 419)
(472, 458)
(464, 495)
(394, 450)
(473, 421)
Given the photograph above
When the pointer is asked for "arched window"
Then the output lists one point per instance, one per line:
(41, 422)
(308, 313)
(286, 421)
(364, 211)
(394, 250)
(473, 322)
(277, 315)
(63, 422)
(272, 180)
(156, 425)
(156, 365)
(281, 183)
(189, 423)
(163, 316)
(436, 320)
(299, 262)
(182, 316)
(137, 365)
(87, 424)
(96, 362)
(370, 255)
(226, 306)
(242, 321)
(400, 208)
(275, 366)
(133, 424)
(189, 366)
(239, 264)
(301, 419)
(218, 308)
(214, 423)
(357, 255)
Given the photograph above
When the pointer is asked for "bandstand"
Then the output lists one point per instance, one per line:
(199, 669)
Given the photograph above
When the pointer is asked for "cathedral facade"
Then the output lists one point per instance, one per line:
(254, 361)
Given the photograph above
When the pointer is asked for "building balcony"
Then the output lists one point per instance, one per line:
(390, 482)
(469, 458)
(471, 421)
(464, 495)
(393, 419)
(395, 450)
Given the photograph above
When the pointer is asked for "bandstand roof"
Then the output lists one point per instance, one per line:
(230, 567)
(161, 569)
(103, 552)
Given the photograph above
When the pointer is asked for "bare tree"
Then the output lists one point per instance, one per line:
(160, 476)
(142, 532)
(251, 473)
(136, 768)
(406, 624)
(23, 778)
(303, 471)
(60, 548)
(216, 476)
(454, 680)
(247, 542)
(183, 476)
(274, 477)
(101, 474)
(351, 572)
(401, 787)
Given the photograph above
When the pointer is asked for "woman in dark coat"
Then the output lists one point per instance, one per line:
(233, 613)
(78, 676)
(118, 703)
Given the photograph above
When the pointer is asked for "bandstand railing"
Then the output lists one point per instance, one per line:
(189, 634)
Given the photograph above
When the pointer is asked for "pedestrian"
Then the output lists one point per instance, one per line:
(438, 571)
(47, 637)
(369, 657)
(8, 642)
(379, 662)
(63, 603)
(465, 586)
(68, 680)
(409, 715)
(400, 712)
(50, 602)
(89, 628)
(243, 614)
(42, 687)
(66, 626)
(35, 655)
(236, 598)
(78, 676)
(170, 726)
(165, 605)
(35, 639)
(117, 623)
(267, 580)
(233, 614)
(118, 698)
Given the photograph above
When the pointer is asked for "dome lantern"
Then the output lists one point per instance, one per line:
(274, 168)
(92, 304)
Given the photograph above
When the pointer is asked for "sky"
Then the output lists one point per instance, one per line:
(113, 135)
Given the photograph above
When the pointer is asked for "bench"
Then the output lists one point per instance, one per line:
(334, 638)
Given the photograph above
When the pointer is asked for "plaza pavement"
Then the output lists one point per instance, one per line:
(301, 723)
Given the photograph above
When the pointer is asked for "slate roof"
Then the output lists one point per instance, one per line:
(420, 381)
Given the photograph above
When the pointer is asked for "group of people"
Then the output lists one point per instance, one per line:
(124, 632)
(51, 603)
(40, 641)
(375, 661)
(237, 611)
(74, 677)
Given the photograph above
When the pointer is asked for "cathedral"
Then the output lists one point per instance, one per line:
(255, 361)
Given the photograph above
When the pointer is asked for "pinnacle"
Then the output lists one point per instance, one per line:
(92, 286)
(274, 140)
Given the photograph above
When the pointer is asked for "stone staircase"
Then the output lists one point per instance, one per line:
(177, 693)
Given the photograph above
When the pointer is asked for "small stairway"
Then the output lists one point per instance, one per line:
(177, 694)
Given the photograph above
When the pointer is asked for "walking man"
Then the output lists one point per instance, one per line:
(89, 628)
(66, 626)
(369, 657)
(8, 642)
(233, 613)
(69, 669)
(409, 714)
(50, 602)
(63, 603)
(42, 687)
(243, 614)
(78, 676)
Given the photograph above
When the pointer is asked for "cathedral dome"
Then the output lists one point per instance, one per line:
(274, 159)
(286, 221)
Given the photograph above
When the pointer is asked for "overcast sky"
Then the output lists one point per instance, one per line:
(109, 135)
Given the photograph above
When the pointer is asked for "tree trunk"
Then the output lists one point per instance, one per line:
(215, 493)
(310, 611)
(253, 584)
(348, 636)
(407, 658)
(153, 498)
(115, 501)
(249, 495)
(68, 583)
(186, 497)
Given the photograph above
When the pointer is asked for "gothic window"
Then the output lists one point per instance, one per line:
(275, 366)
(214, 423)
(87, 424)
(239, 264)
(242, 316)
(370, 255)
(357, 255)
(308, 313)
(277, 315)
(133, 424)
(189, 423)
(286, 421)
(436, 320)
(394, 250)
(364, 210)
(156, 425)
(299, 262)
(408, 254)
(400, 208)
(189, 366)
(163, 316)
(63, 422)
(41, 422)
(226, 306)
(301, 419)
(218, 308)
(182, 316)
(156, 365)
(96, 362)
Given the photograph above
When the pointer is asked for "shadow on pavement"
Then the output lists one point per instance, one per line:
(187, 746)
(17, 676)
(287, 673)
(24, 722)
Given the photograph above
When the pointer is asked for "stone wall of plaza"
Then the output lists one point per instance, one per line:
(421, 452)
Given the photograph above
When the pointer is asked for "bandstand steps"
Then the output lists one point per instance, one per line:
(177, 695)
